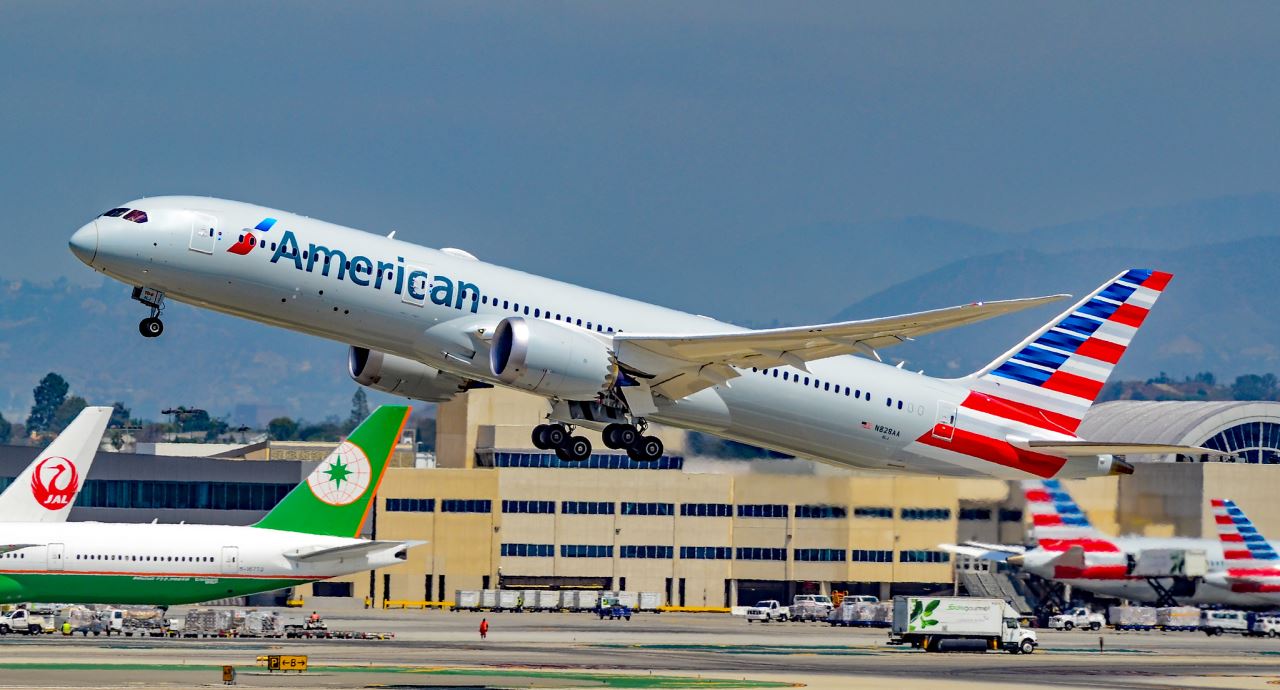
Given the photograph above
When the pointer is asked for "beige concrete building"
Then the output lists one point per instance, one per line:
(496, 513)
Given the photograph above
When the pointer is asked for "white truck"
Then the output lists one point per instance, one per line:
(1224, 621)
(1079, 617)
(25, 622)
(768, 610)
(811, 607)
(1265, 626)
(929, 622)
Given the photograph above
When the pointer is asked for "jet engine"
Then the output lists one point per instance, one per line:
(403, 377)
(550, 359)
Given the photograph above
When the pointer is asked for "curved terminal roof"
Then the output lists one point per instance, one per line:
(1249, 428)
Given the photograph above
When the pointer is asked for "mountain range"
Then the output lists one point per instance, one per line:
(1219, 313)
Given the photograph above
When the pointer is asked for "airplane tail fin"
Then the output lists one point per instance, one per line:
(1050, 379)
(1243, 546)
(47, 489)
(336, 497)
(1054, 514)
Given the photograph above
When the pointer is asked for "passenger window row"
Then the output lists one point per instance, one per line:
(146, 559)
(787, 375)
(540, 313)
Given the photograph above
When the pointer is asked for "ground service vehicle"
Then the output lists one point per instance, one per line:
(1265, 626)
(24, 622)
(929, 622)
(768, 610)
(811, 607)
(613, 609)
(1078, 617)
(1219, 622)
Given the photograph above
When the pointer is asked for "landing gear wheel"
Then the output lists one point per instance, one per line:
(574, 449)
(555, 436)
(646, 449)
(540, 437)
(151, 327)
(610, 436)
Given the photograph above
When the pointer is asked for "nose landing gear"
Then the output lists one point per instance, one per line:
(152, 326)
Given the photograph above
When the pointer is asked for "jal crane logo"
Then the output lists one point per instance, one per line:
(55, 482)
(342, 477)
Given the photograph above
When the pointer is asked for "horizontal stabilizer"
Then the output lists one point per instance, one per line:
(976, 552)
(1005, 548)
(1079, 448)
(337, 553)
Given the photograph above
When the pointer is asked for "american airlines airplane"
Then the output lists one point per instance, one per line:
(1070, 550)
(308, 536)
(47, 489)
(428, 323)
(1252, 566)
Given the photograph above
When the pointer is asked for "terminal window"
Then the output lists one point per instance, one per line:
(1010, 515)
(975, 513)
(873, 512)
(921, 556)
(648, 508)
(466, 505)
(130, 493)
(528, 506)
(586, 507)
(872, 556)
(925, 513)
(820, 555)
(706, 553)
(411, 505)
(758, 553)
(331, 589)
(706, 509)
(821, 511)
(533, 550)
(763, 510)
(586, 551)
(631, 551)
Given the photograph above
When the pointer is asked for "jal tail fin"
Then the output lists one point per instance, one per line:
(47, 489)
(1054, 514)
(1050, 379)
(1243, 546)
(335, 498)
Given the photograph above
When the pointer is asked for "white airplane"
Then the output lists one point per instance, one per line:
(427, 324)
(1070, 550)
(308, 536)
(47, 489)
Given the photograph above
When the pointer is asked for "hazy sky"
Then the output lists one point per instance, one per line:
(527, 132)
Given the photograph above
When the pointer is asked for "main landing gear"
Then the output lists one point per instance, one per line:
(570, 448)
(152, 326)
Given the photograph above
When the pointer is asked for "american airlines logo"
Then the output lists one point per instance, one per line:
(415, 284)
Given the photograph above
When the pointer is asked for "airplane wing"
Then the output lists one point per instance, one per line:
(976, 552)
(1078, 448)
(1004, 548)
(682, 364)
(334, 553)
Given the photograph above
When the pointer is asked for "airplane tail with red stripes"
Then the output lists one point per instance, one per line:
(1054, 514)
(1243, 546)
(1050, 379)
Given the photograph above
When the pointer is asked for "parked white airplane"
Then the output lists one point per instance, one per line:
(427, 324)
(308, 536)
(46, 490)
(1070, 550)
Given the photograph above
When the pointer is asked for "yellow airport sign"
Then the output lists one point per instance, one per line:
(286, 662)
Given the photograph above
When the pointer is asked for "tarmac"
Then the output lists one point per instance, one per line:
(441, 649)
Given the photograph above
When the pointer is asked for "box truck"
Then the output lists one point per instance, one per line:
(929, 622)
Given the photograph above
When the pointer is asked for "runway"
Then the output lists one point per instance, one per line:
(541, 650)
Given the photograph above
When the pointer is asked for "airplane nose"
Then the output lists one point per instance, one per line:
(84, 243)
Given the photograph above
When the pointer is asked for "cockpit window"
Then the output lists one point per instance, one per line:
(116, 212)
(136, 216)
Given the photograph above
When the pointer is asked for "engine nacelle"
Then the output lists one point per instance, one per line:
(550, 359)
(403, 377)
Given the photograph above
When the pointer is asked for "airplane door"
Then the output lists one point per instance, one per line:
(944, 427)
(230, 560)
(204, 234)
(56, 557)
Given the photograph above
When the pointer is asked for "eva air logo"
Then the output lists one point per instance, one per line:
(342, 477)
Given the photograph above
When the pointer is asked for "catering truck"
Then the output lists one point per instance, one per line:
(929, 622)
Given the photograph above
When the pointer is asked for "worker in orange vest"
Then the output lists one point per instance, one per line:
(484, 628)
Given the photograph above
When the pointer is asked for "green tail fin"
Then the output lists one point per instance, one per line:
(335, 499)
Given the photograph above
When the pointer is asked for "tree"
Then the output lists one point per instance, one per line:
(1254, 387)
(49, 395)
(67, 411)
(120, 416)
(282, 429)
(359, 407)
(6, 429)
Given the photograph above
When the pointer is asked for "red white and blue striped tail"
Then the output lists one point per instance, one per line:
(1242, 545)
(1050, 379)
(1054, 514)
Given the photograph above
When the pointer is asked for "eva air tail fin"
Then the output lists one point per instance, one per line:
(336, 497)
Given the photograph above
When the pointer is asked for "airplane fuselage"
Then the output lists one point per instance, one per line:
(106, 563)
(382, 294)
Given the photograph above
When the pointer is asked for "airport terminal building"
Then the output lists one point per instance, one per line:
(496, 513)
